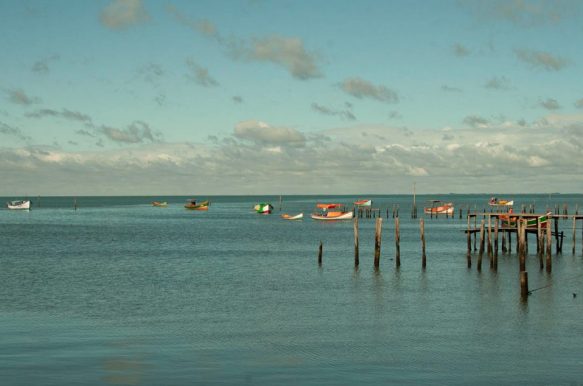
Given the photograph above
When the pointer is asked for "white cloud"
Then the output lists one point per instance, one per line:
(121, 14)
(261, 132)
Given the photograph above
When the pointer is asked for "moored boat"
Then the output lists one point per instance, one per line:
(298, 216)
(326, 214)
(193, 205)
(438, 207)
(161, 204)
(263, 208)
(363, 203)
(497, 202)
(18, 205)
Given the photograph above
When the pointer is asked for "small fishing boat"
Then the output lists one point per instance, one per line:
(497, 202)
(298, 216)
(263, 208)
(193, 205)
(161, 204)
(18, 205)
(509, 221)
(324, 213)
(363, 203)
(438, 207)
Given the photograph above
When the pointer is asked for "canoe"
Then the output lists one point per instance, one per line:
(15, 205)
(160, 203)
(363, 203)
(298, 216)
(501, 203)
(442, 209)
(263, 208)
(331, 216)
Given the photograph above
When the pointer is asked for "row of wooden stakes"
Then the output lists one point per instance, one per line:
(377, 248)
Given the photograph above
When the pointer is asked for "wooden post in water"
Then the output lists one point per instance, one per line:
(549, 242)
(75, 203)
(540, 244)
(356, 252)
(521, 244)
(523, 285)
(556, 223)
(397, 244)
(469, 236)
(423, 256)
(495, 259)
(504, 250)
(320, 254)
(280, 202)
(377, 243)
(574, 232)
(489, 235)
(481, 252)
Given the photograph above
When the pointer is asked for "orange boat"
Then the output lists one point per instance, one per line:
(191, 204)
(327, 215)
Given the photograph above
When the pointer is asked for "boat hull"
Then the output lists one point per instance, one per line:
(363, 203)
(263, 208)
(18, 205)
(445, 209)
(160, 204)
(332, 216)
(294, 217)
(502, 203)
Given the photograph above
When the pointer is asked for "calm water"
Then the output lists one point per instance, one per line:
(123, 293)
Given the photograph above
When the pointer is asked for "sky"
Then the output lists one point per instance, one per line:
(144, 97)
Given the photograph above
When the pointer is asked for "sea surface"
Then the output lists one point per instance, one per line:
(119, 292)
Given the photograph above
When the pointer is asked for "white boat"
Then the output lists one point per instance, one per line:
(298, 216)
(326, 214)
(22, 204)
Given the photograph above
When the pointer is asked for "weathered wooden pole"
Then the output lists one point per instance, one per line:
(540, 244)
(557, 245)
(521, 244)
(320, 253)
(504, 250)
(523, 285)
(469, 236)
(549, 242)
(377, 243)
(495, 259)
(356, 252)
(397, 244)
(489, 233)
(481, 252)
(574, 232)
(423, 256)
(75, 206)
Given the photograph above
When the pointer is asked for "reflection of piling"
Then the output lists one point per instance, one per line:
(377, 244)
(356, 256)
(524, 285)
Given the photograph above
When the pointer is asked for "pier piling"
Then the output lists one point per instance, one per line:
(356, 251)
(377, 245)
(397, 244)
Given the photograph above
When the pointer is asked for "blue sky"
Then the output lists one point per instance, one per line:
(270, 97)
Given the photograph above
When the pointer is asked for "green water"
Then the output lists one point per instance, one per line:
(122, 293)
